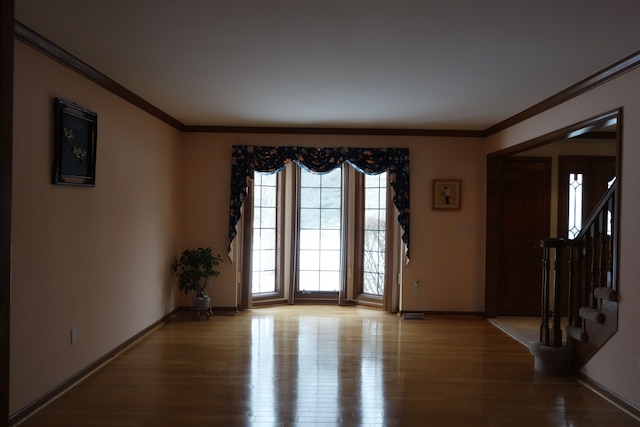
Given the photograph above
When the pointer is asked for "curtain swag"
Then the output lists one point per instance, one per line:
(245, 159)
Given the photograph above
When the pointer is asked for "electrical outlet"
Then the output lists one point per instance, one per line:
(74, 336)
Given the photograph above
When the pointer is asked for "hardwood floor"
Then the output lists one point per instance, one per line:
(322, 365)
(525, 329)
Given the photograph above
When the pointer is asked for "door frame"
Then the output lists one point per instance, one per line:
(494, 166)
(7, 12)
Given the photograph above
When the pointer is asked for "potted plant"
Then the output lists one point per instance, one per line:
(194, 268)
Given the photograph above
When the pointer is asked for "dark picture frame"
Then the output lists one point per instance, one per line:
(75, 132)
(447, 194)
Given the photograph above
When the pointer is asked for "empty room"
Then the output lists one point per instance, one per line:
(320, 213)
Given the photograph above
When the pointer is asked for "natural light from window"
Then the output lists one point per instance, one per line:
(575, 204)
(264, 233)
(375, 212)
(320, 231)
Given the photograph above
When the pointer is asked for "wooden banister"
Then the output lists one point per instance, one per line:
(590, 274)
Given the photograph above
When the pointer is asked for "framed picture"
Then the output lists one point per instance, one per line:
(75, 132)
(447, 194)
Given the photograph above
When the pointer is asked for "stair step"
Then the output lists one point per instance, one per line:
(605, 293)
(576, 333)
(592, 314)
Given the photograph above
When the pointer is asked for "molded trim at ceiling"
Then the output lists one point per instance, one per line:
(40, 43)
(609, 73)
(335, 131)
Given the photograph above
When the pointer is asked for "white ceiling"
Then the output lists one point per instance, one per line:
(404, 64)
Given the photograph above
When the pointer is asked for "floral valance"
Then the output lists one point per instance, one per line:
(246, 159)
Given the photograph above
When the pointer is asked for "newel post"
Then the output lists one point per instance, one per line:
(552, 296)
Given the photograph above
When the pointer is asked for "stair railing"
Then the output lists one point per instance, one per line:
(590, 274)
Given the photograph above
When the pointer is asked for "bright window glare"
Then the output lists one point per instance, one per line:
(575, 204)
(374, 233)
(320, 231)
(263, 274)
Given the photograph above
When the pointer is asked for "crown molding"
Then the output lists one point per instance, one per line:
(335, 131)
(45, 46)
(609, 73)
(52, 50)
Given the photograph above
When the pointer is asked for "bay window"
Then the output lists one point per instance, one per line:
(318, 223)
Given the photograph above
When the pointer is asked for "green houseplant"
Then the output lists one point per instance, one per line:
(194, 268)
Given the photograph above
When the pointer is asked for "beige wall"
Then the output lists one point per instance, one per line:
(447, 252)
(87, 257)
(95, 259)
(617, 365)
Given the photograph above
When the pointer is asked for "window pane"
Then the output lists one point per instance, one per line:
(261, 281)
(310, 197)
(330, 198)
(268, 260)
(267, 217)
(330, 219)
(575, 204)
(267, 238)
(255, 281)
(373, 219)
(309, 179)
(257, 195)
(373, 283)
(330, 239)
(309, 239)
(309, 218)
(268, 179)
(332, 179)
(372, 198)
(383, 198)
(309, 280)
(320, 211)
(374, 234)
(309, 260)
(374, 242)
(330, 260)
(268, 197)
(267, 278)
(377, 180)
(329, 281)
(264, 233)
(256, 238)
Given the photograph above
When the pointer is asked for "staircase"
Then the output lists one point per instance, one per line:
(579, 283)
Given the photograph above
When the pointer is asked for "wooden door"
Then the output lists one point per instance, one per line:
(524, 221)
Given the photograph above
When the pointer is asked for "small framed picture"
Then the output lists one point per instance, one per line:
(447, 194)
(74, 139)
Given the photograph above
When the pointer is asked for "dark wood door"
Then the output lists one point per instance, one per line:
(524, 222)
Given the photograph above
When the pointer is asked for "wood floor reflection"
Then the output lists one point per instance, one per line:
(327, 366)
